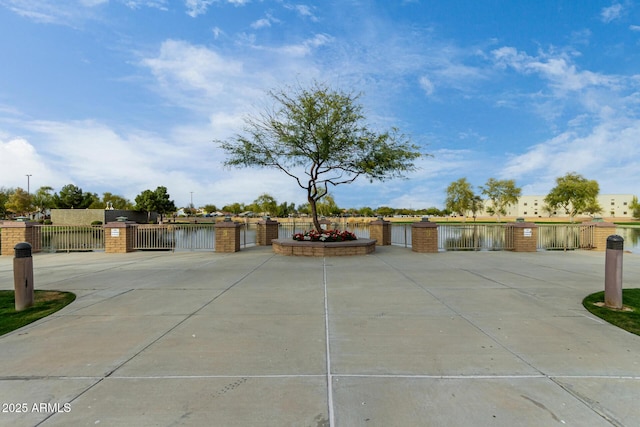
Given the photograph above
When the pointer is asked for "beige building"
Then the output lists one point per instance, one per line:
(613, 205)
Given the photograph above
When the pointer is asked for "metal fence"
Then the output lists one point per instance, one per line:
(186, 237)
(69, 238)
(476, 237)
(195, 237)
(473, 237)
(565, 236)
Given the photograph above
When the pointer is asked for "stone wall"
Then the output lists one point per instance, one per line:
(87, 216)
(76, 216)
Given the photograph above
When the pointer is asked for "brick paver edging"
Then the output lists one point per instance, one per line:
(304, 248)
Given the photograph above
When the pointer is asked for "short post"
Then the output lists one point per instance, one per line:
(613, 272)
(23, 276)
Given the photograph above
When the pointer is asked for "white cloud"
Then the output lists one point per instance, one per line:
(44, 11)
(199, 78)
(261, 23)
(137, 4)
(606, 153)
(611, 13)
(197, 7)
(92, 3)
(217, 32)
(558, 69)
(70, 13)
(305, 48)
(427, 85)
(264, 22)
(18, 158)
(569, 90)
(181, 66)
(303, 10)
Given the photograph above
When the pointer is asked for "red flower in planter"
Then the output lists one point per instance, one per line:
(325, 236)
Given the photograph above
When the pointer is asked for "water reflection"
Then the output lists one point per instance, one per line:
(631, 236)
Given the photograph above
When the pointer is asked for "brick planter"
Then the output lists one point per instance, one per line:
(321, 249)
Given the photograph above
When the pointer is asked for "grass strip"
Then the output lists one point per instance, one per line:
(45, 303)
(628, 318)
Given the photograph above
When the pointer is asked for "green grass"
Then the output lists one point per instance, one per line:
(627, 319)
(46, 303)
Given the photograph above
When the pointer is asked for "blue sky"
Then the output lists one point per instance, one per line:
(126, 95)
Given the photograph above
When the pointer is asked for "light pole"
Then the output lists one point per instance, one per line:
(191, 205)
(28, 183)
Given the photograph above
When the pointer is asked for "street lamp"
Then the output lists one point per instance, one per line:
(28, 183)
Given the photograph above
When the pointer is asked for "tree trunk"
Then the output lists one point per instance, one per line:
(314, 214)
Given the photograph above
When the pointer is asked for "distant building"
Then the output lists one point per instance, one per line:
(613, 205)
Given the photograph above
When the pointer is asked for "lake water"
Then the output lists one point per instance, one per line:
(631, 236)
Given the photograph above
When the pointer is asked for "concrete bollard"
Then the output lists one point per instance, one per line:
(23, 276)
(613, 272)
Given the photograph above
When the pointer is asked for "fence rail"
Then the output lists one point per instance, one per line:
(68, 238)
(565, 236)
(194, 237)
(186, 237)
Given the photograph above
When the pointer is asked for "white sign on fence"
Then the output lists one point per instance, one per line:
(115, 232)
(527, 232)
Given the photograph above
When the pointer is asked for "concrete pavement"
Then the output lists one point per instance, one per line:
(394, 338)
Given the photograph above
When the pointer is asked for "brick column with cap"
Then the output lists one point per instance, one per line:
(227, 236)
(119, 237)
(14, 232)
(601, 231)
(267, 231)
(524, 236)
(380, 231)
(424, 236)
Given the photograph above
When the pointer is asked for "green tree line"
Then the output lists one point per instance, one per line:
(573, 195)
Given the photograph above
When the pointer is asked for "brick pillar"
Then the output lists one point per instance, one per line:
(267, 231)
(424, 236)
(524, 236)
(119, 237)
(14, 232)
(227, 236)
(380, 231)
(601, 231)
